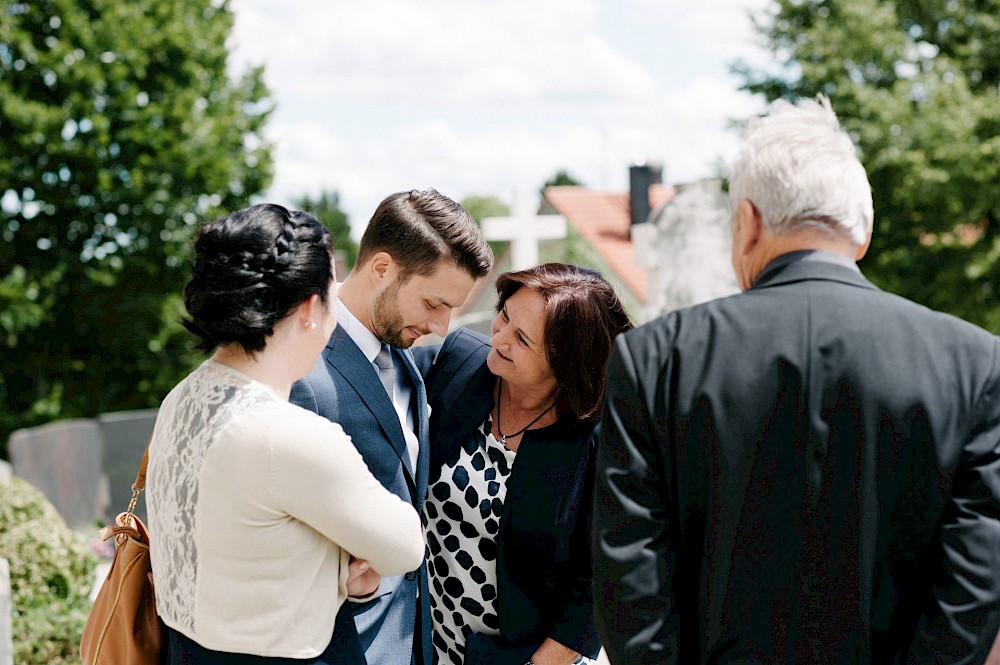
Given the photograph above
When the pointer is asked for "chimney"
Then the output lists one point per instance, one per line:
(640, 178)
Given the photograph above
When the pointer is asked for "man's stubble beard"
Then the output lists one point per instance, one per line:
(386, 319)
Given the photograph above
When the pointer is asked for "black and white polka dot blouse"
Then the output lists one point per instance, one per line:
(463, 509)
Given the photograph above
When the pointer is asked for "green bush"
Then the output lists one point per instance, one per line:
(51, 574)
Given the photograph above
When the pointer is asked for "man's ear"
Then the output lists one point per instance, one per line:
(381, 267)
(863, 248)
(750, 227)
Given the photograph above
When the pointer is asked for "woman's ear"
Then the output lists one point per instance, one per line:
(309, 310)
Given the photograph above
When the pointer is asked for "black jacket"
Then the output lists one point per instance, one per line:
(807, 472)
(543, 545)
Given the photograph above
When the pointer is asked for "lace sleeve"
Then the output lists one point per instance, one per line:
(187, 425)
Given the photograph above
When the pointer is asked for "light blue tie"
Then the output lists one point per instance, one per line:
(386, 371)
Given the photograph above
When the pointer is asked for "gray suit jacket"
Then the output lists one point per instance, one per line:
(807, 472)
(344, 387)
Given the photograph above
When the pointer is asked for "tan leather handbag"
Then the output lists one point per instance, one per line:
(123, 627)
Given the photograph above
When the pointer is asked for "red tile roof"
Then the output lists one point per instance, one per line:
(602, 220)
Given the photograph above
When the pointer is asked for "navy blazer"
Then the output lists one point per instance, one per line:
(807, 472)
(345, 388)
(543, 553)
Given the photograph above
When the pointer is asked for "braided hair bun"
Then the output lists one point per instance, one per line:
(251, 268)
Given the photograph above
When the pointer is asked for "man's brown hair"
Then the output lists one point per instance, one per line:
(419, 228)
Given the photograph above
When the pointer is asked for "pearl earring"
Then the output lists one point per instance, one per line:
(311, 325)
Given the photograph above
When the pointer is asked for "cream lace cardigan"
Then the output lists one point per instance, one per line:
(254, 506)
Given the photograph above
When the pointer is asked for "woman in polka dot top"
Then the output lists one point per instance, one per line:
(508, 508)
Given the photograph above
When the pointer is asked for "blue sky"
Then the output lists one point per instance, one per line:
(481, 97)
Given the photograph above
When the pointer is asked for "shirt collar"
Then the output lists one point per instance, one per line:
(812, 255)
(366, 340)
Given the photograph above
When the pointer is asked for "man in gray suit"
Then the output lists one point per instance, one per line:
(418, 259)
(807, 472)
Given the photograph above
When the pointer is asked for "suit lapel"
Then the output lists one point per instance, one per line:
(346, 359)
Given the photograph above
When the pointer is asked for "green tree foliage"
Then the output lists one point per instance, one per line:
(51, 574)
(481, 207)
(326, 208)
(120, 131)
(916, 82)
(561, 178)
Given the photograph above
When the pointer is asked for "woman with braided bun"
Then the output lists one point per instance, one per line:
(264, 517)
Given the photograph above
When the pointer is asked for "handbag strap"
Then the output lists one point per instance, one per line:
(127, 524)
(140, 479)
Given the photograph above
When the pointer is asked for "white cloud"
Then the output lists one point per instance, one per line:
(456, 162)
(715, 29)
(484, 96)
(434, 51)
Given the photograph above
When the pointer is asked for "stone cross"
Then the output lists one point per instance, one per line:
(524, 229)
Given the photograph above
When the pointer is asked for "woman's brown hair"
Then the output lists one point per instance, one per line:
(582, 316)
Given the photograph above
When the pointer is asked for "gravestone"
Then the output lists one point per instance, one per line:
(686, 247)
(6, 636)
(125, 435)
(524, 228)
(64, 461)
(5, 470)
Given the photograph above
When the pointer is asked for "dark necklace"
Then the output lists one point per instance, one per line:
(503, 437)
